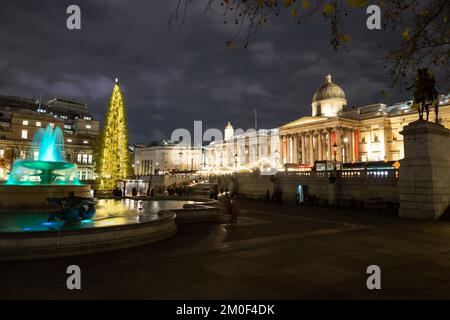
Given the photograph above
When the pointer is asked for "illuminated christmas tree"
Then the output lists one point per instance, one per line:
(114, 158)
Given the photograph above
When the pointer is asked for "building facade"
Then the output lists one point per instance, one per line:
(20, 118)
(336, 133)
(243, 151)
(166, 157)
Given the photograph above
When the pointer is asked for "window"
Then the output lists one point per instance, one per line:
(22, 154)
(25, 122)
(85, 158)
(38, 124)
(394, 136)
(88, 126)
(79, 157)
(363, 140)
(364, 157)
(69, 140)
(90, 159)
(24, 134)
(35, 155)
(85, 142)
(375, 137)
(2, 153)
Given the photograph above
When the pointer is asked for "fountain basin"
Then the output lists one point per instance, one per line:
(118, 224)
(46, 244)
(19, 198)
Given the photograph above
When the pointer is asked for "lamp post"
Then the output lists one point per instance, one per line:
(235, 162)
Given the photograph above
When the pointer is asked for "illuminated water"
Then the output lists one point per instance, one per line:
(108, 213)
(47, 165)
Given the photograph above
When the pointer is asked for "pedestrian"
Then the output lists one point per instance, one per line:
(234, 209)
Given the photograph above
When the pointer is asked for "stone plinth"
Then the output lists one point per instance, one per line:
(32, 198)
(424, 181)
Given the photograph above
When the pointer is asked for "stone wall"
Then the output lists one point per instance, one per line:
(360, 185)
(424, 184)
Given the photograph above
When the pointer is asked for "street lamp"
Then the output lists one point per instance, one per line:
(235, 162)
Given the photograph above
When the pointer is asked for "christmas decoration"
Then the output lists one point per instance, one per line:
(114, 157)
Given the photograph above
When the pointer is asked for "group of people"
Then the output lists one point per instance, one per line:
(177, 189)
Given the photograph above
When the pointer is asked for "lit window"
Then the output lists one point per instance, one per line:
(69, 140)
(25, 122)
(24, 134)
(85, 142)
(79, 157)
(38, 123)
(88, 126)
(90, 159)
(35, 155)
(2, 153)
(85, 158)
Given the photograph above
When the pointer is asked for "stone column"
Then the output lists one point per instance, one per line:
(311, 147)
(303, 147)
(295, 148)
(330, 144)
(339, 144)
(352, 134)
(424, 175)
(319, 145)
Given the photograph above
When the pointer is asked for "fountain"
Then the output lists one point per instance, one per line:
(46, 175)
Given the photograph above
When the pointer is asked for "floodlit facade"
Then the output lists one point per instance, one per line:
(20, 118)
(166, 157)
(336, 133)
(244, 151)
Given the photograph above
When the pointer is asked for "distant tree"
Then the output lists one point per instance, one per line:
(423, 26)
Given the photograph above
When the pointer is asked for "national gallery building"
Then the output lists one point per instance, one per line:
(335, 132)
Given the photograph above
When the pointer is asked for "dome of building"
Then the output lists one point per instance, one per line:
(328, 90)
(229, 131)
(328, 100)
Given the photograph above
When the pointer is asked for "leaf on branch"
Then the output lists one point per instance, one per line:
(306, 5)
(328, 8)
(345, 38)
(231, 44)
(356, 3)
(406, 35)
(287, 3)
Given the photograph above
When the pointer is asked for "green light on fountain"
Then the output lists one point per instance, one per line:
(50, 167)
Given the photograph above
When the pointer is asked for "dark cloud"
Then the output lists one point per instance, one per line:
(173, 76)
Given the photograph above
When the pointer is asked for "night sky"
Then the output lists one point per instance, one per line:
(170, 76)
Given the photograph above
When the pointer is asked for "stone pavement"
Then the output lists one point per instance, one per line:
(274, 252)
